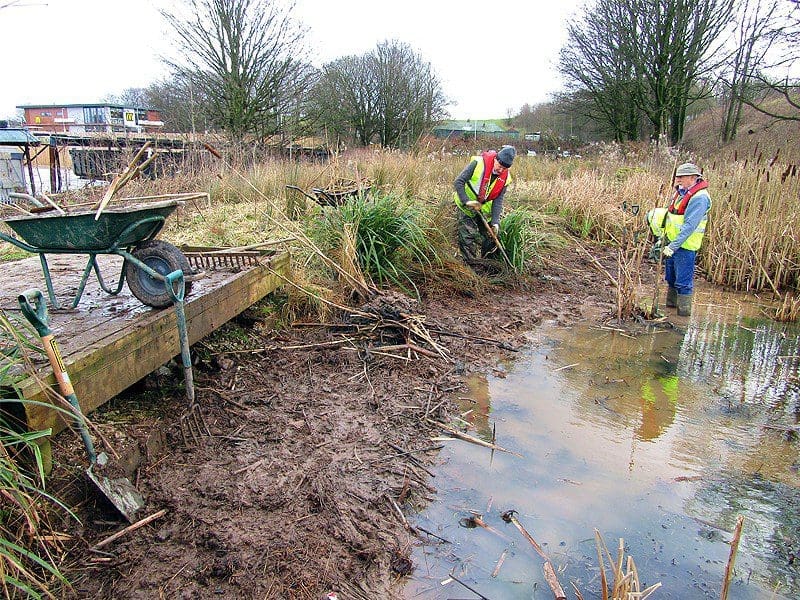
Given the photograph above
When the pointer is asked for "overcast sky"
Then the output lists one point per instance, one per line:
(79, 51)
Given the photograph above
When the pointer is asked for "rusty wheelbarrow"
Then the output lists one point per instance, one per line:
(336, 194)
(127, 231)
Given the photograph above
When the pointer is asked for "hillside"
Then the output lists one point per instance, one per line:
(757, 133)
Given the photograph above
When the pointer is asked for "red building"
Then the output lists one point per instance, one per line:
(86, 118)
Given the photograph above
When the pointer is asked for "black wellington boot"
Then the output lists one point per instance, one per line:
(672, 297)
(684, 305)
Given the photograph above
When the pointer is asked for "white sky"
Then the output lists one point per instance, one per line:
(75, 51)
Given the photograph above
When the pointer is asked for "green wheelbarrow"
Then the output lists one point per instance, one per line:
(128, 232)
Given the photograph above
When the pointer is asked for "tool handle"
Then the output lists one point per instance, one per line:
(172, 278)
(33, 306)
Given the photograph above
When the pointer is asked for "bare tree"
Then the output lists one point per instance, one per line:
(409, 94)
(598, 63)
(390, 95)
(754, 37)
(246, 57)
(346, 99)
(773, 80)
(647, 55)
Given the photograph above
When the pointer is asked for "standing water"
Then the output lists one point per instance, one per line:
(662, 439)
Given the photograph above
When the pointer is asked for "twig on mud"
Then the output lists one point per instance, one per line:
(477, 593)
(386, 354)
(406, 346)
(278, 347)
(250, 467)
(406, 453)
(224, 396)
(500, 562)
(131, 528)
(475, 338)
(597, 264)
(403, 519)
(468, 438)
(413, 459)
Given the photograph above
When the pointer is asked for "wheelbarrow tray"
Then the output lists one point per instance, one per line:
(79, 232)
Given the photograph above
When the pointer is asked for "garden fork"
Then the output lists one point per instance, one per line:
(193, 424)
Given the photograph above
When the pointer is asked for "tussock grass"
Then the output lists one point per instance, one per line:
(526, 235)
(377, 236)
(29, 557)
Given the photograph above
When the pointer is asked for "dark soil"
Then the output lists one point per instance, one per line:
(294, 492)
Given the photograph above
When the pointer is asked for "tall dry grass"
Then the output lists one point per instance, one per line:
(753, 239)
(752, 242)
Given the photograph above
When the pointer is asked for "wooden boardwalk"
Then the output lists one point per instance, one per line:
(110, 342)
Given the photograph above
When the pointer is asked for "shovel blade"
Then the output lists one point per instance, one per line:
(120, 492)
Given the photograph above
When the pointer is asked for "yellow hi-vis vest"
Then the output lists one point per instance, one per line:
(665, 222)
(675, 221)
(493, 189)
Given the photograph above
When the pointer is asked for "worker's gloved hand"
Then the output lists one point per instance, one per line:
(667, 252)
(655, 252)
(474, 205)
(496, 228)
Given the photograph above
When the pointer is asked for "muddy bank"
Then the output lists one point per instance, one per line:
(313, 445)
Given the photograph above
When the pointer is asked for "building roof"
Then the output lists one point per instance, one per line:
(17, 137)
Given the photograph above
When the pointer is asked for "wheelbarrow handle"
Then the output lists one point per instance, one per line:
(33, 306)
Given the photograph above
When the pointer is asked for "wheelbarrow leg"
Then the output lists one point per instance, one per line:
(48, 281)
(92, 262)
(193, 424)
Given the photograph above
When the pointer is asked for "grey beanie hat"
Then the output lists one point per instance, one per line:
(687, 169)
(506, 155)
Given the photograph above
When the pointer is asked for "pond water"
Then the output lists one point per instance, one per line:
(663, 440)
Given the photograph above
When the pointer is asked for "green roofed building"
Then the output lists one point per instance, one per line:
(476, 129)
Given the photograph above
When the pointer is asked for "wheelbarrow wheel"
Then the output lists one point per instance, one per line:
(163, 258)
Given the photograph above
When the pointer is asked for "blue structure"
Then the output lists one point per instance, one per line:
(15, 156)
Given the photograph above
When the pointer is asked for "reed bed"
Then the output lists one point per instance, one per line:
(752, 242)
(624, 583)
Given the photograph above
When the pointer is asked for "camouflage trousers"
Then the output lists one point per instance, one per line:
(474, 240)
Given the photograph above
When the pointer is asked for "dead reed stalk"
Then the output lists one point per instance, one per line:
(625, 582)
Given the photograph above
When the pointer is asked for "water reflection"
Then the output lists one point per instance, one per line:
(659, 398)
(662, 439)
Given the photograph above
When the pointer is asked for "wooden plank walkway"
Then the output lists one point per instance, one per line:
(110, 342)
